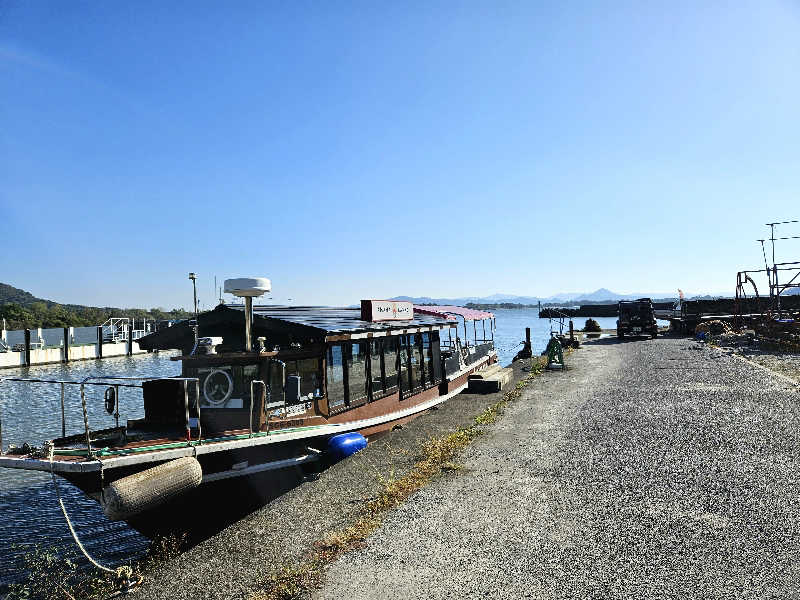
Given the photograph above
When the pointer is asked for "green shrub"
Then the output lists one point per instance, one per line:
(592, 326)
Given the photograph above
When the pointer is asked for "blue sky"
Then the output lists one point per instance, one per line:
(350, 150)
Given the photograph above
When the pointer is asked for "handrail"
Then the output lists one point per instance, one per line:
(66, 381)
(104, 380)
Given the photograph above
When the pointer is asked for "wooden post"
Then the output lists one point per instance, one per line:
(528, 336)
(571, 331)
(130, 339)
(99, 341)
(66, 344)
(27, 347)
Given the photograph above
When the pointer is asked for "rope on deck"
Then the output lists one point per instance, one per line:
(126, 579)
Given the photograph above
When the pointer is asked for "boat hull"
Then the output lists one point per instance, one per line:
(249, 473)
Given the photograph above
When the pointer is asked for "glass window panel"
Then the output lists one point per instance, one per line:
(416, 361)
(436, 357)
(404, 373)
(275, 383)
(375, 367)
(335, 374)
(357, 372)
(390, 354)
(413, 373)
(309, 371)
(427, 358)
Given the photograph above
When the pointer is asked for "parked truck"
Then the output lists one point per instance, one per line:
(636, 317)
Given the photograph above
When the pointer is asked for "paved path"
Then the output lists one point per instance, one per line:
(652, 468)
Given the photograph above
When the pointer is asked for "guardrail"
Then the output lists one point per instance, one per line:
(113, 383)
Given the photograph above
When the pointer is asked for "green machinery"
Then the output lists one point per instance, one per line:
(555, 354)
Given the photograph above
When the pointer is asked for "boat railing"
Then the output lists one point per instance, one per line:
(111, 397)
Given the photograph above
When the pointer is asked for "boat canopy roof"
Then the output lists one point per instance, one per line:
(340, 320)
(469, 314)
(286, 324)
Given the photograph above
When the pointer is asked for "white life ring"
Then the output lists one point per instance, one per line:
(209, 393)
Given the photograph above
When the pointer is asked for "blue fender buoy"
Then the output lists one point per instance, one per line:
(346, 444)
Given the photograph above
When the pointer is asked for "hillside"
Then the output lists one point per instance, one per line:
(21, 310)
(9, 294)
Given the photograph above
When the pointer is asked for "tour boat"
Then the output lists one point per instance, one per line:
(263, 392)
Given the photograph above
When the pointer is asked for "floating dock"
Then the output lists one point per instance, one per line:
(29, 353)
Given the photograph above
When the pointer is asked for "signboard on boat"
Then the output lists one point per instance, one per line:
(386, 310)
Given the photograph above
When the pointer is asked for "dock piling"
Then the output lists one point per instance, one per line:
(27, 347)
(66, 344)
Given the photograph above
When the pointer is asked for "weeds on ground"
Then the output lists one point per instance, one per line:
(54, 575)
(435, 458)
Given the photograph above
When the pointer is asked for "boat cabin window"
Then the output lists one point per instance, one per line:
(371, 369)
(417, 362)
(377, 370)
(432, 356)
(309, 370)
(391, 354)
(335, 374)
(404, 366)
(356, 372)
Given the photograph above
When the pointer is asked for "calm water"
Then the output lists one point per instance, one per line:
(29, 513)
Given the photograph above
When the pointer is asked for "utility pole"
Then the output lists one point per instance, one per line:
(193, 277)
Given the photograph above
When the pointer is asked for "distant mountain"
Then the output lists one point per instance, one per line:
(601, 295)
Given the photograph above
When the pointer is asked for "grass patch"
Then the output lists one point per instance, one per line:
(436, 457)
(57, 575)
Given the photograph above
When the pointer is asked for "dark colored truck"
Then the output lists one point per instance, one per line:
(636, 317)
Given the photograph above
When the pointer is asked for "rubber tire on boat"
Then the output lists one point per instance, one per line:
(147, 489)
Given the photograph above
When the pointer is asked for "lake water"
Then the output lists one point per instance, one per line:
(29, 513)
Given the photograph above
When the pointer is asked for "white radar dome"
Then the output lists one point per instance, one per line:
(245, 287)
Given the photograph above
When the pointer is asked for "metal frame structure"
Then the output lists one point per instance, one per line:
(773, 274)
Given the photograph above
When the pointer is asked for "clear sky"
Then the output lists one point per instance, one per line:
(351, 150)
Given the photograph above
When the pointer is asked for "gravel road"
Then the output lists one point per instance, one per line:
(238, 562)
(650, 469)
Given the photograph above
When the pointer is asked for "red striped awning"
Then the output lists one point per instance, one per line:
(450, 312)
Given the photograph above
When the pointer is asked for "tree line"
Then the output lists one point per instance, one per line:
(39, 314)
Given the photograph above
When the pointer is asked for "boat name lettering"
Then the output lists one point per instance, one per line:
(386, 310)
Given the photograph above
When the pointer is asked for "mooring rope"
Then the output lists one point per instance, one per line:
(125, 577)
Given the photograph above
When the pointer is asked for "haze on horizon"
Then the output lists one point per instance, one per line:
(358, 151)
